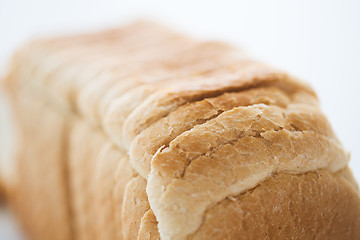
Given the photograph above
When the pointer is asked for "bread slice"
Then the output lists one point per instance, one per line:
(142, 133)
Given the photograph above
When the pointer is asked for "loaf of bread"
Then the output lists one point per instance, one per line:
(142, 133)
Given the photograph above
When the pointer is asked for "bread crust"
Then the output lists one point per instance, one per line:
(281, 206)
(287, 205)
(148, 227)
(146, 134)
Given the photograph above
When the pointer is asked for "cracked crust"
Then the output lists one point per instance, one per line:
(276, 209)
(148, 227)
(226, 156)
(288, 205)
(175, 138)
(162, 132)
(234, 78)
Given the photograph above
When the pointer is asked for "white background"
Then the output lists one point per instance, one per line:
(318, 41)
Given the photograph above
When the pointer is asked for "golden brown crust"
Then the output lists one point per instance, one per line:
(162, 132)
(281, 199)
(134, 207)
(315, 205)
(201, 125)
(233, 78)
(347, 174)
(231, 144)
(148, 227)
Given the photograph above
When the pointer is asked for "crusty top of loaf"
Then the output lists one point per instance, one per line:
(201, 120)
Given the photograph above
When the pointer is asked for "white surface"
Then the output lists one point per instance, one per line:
(318, 41)
(8, 230)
